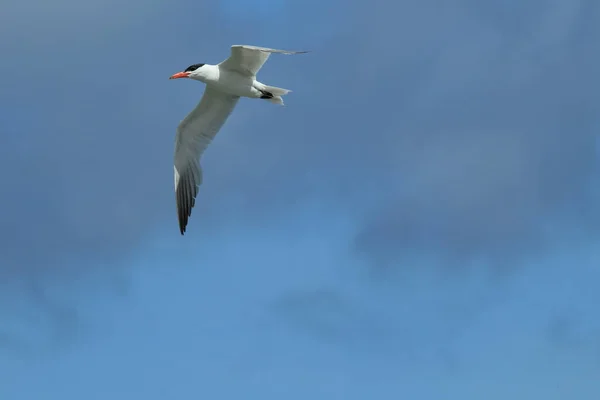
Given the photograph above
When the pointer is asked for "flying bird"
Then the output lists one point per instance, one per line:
(225, 83)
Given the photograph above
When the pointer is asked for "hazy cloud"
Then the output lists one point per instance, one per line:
(496, 147)
(458, 132)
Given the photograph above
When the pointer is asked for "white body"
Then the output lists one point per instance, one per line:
(226, 81)
(225, 84)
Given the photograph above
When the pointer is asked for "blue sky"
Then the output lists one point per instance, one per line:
(420, 221)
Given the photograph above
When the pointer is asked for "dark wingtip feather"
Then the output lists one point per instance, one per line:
(187, 189)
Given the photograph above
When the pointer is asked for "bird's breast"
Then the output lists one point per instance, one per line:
(234, 84)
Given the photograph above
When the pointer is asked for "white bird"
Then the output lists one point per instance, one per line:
(225, 83)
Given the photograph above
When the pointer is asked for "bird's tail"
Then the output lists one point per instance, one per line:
(271, 93)
(275, 91)
(276, 100)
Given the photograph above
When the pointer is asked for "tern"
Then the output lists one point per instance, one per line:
(225, 83)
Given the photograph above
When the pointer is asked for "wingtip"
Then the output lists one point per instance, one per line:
(182, 225)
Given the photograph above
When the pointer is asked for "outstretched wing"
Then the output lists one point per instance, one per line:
(248, 60)
(194, 134)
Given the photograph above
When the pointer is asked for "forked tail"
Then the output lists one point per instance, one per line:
(271, 93)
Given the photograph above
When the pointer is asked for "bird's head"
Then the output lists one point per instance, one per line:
(194, 71)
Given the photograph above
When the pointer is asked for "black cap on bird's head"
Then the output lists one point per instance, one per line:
(186, 73)
(193, 67)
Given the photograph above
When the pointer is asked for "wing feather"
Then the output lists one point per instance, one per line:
(248, 60)
(194, 135)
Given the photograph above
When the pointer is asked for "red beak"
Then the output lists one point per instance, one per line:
(180, 75)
